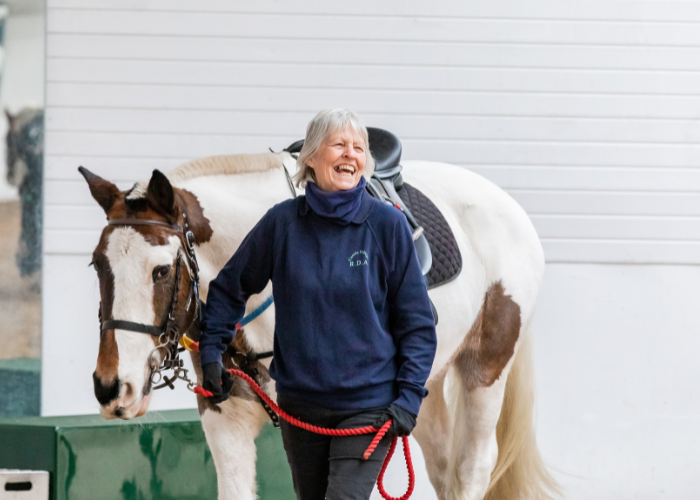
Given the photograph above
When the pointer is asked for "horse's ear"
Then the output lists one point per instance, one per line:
(104, 192)
(160, 192)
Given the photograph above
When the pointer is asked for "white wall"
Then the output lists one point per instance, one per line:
(22, 80)
(616, 359)
(586, 112)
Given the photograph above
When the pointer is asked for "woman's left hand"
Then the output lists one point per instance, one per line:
(403, 421)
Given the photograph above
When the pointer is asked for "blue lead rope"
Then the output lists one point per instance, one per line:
(260, 309)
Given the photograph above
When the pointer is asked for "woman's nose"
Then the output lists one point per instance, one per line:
(350, 151)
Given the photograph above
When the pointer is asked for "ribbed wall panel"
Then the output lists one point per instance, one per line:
(587, 112)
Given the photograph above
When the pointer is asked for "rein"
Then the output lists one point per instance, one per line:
(339, 432)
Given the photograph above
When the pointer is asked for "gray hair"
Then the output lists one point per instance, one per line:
(322, 125)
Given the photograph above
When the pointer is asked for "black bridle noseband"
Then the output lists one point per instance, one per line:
(169, 333)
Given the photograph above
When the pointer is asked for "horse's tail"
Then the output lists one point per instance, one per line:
(520, 471)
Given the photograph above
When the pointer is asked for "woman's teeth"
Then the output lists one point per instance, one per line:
(345, 169)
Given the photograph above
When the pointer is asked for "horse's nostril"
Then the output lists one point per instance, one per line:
(129, 389)
(119, 411)
(105, 392)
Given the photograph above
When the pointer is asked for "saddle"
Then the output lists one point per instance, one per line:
(436, 246)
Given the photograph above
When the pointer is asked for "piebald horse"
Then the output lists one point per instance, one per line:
(475, 429)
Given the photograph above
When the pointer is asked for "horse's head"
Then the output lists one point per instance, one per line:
(24, 143)
(137, 265)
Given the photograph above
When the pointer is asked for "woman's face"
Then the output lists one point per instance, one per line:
(340, 161)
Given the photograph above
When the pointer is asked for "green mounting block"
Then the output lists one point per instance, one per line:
(161, 456)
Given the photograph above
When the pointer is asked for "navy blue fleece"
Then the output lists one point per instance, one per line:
(353, 325)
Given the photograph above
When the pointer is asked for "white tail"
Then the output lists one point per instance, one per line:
(520, 472)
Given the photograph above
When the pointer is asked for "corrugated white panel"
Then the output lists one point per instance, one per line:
(375, 52)
(677, 131)
(279, 98)
(368, 25)
(343, 75)
(586, 112)
(489, 151)
(581, 11)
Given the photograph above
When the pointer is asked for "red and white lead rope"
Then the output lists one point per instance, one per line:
(340, 432)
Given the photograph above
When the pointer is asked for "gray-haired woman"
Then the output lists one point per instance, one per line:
(354, 333)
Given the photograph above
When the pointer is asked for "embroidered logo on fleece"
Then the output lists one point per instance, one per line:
(359, 258)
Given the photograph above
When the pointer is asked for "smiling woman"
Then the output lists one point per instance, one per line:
(354, 336)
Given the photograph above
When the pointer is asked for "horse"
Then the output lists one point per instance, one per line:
(475, 428)
(24, 154)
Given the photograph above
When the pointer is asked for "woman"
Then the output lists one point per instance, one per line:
(354, 333)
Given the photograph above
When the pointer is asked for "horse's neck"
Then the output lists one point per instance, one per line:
(233, 204)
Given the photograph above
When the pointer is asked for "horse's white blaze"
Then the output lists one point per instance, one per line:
(132, 259)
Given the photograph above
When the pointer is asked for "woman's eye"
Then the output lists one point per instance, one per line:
(160, 272)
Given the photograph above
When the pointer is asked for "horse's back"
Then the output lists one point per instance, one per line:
(496, 237)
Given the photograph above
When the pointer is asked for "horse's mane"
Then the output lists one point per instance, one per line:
(215, 165)
(226, 165)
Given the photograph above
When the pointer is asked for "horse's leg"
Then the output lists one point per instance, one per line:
(433, 433)
(474, 449)
(231, 436)
(476, 382)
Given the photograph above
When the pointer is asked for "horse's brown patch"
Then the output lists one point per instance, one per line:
(240, 388)
(490, 343)
(108, 355)
(199, 224)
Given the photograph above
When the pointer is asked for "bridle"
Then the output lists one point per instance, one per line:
(169, 333)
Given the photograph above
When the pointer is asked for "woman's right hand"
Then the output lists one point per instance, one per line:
(217, 381)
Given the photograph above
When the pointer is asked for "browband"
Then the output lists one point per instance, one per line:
(143, 222)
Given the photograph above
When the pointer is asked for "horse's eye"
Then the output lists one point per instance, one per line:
(160, 272)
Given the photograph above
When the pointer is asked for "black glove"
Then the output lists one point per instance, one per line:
(403, 421)
(217, 381)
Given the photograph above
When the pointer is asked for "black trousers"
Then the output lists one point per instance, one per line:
(327, 467)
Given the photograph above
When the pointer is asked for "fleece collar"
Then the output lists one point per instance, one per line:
(366, 206)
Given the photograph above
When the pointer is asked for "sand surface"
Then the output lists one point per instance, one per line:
(20, 298)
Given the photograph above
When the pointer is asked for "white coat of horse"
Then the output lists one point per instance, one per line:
(475, 428)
